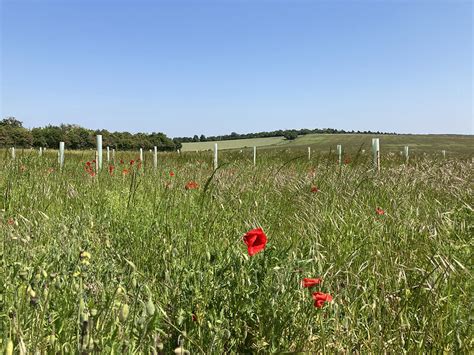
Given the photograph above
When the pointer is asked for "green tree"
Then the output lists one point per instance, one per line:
(290, 135)
(11, 122)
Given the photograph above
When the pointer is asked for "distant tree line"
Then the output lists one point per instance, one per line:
(13, 134)
(289, 134)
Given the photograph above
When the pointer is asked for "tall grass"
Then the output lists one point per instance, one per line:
(168, 269)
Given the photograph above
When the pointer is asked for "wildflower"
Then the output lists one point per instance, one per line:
(121, 161)
(255, 240)
(11, 221)
(347, 160)
(171, 173)
(50, 170)
(124, 172)
(111, 169)
(84, 255)
(379, 211)
(132, 161)
(191, 185)
(310, 282)
(88, 163)
(314, 189)
(321, 298)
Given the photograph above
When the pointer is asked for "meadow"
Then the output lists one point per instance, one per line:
(129, 260)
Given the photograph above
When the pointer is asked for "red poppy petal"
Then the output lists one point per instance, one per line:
(319, 303)
(255, 249)
(308, 282)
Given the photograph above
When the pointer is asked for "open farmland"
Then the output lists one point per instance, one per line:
(127, 260)
(454, 145)
(233, 144)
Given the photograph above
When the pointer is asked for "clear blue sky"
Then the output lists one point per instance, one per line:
(213, 67)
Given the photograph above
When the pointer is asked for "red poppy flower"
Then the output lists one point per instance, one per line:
(132, 161)
(321, 298)
(314, 189)
(171, 173)
(310, 282)
(111, 169)
(347, 160)
(94, 161)
(88, 163)
(379, 211)
(255, 240)
(121, 161)
(124, 172)
(192, 185)
(11, 221)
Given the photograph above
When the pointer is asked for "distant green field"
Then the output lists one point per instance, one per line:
(453, 144)
(234, 144)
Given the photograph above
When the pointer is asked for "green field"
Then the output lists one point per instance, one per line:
(233, 144)
(129, 261)
(453, 144)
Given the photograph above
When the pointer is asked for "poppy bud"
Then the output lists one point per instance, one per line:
(124, 311)
(181, 351)
(150, 307)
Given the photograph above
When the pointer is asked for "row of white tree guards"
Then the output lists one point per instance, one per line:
(375, 152)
